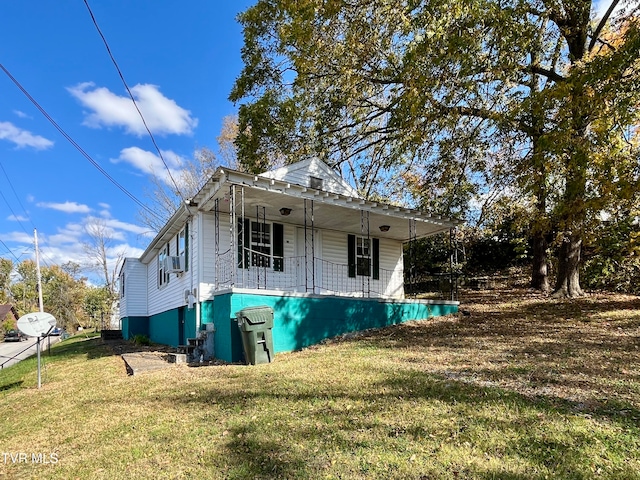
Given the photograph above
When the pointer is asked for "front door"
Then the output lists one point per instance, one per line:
(181, 339)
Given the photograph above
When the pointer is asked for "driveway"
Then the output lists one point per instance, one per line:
(13, 352)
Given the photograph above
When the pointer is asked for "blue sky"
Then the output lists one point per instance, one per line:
(179, 59)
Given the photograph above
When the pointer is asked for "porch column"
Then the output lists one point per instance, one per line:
(216, 242)
(233, 234)
(364, 232)
(412, 255)
(453, 263)
(309, 248)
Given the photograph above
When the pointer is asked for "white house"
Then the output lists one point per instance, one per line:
(298, 239)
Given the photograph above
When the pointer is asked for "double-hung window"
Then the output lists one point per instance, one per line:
(363, 256)
(260, 244)
(163, 276)
(122, 289)
(182, 249)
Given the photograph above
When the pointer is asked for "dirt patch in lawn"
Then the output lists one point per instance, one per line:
(584, 351)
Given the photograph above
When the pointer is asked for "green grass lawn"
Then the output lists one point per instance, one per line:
(524, 387)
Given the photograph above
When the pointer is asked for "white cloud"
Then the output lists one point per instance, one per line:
(67, 244)
(161, 114)
(127, 227)
(17, 237)
(21, 114)
(67, 207)
(17, 218)
(23, 138)
(152, 164)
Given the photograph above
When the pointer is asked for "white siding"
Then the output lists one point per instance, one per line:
(391, 261)
(334, 275)
(171, 295)
(134, 302)
(300, 172)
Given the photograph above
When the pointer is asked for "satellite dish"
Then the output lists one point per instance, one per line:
(36, 324)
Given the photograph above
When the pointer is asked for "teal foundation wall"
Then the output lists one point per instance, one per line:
(299, 321)
(303, 321)
(162, 328)
(132, 326)
(227, 342)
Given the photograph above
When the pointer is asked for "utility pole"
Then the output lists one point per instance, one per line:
(40, 302)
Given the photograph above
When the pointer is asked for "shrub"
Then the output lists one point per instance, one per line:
(141, 340)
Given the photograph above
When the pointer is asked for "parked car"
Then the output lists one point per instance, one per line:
(56, 331)
(14, 336)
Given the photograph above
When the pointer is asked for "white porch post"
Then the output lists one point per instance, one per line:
(412, 255)
(216, 243)
(309, 247)
(233, 233)
(364, 232)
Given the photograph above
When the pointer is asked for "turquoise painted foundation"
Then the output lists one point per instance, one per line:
(299, 320)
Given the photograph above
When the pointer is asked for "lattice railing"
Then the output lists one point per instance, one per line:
(327, 277)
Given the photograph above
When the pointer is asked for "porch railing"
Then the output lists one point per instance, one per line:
(326, 277)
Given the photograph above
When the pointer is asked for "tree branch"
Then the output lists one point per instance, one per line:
(550, 74)
(603, 22)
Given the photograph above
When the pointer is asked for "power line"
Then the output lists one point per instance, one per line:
(153, 140)
(9, 250)
(17, 198)
(75, 144)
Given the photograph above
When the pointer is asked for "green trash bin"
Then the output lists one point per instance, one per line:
(255, 325)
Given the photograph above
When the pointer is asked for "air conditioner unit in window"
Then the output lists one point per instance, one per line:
(174, 264)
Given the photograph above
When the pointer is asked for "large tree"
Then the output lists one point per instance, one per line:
(465, 94)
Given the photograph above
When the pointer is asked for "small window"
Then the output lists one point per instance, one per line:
(183, 246)
(315, 182)
(262, 244)
(122, 290)
(363, 256)
(163, 277)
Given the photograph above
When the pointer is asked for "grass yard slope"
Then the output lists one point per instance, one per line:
(524, 387)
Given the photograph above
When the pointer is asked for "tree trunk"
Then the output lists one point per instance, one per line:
(568, 281)
(539, 272)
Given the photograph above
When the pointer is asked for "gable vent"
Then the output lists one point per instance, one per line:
(315, 183)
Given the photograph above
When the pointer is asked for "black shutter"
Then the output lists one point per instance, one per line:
(376, 259)
(351, 255)
(186, 247)
(278, 247)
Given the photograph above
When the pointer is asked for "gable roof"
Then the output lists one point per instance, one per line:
(301, 172)
(5, 310)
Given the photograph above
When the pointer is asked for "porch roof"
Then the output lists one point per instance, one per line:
(332, 211)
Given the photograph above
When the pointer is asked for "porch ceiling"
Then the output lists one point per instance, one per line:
(333, 212)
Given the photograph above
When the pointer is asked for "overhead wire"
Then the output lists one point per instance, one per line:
(17, 198)
(17, 219)
(126, 86)
(76, 145)
(9, 250)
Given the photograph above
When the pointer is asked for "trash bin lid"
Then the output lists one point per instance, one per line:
(257, 315)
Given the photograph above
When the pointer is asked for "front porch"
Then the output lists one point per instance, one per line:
(297, 274)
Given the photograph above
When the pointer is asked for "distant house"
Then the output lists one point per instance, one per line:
(298, 239)
(7, 311)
